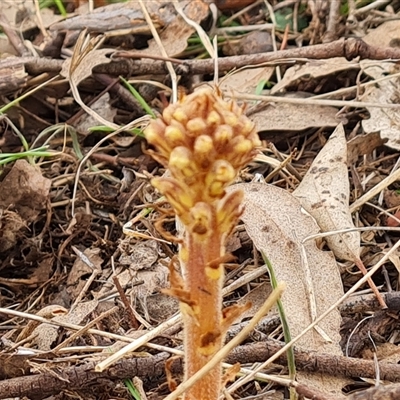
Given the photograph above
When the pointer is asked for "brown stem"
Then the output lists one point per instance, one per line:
(203, 336)
(371, 283)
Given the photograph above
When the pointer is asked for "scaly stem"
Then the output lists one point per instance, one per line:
(203, 337)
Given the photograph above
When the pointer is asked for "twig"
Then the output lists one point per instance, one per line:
(349, 48)
(83, 376)
(174, 79)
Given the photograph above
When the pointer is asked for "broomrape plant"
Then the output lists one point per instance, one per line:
(204, 141)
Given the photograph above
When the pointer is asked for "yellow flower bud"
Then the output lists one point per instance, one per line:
(168, 113)
(231, 119)
(154, 134)
(180, 115)
(181, 163)
(203, 151)
(243, 146)
(246, 126)
(221, 174)
(196, 126)
(201, 216)
(175, 134)
(178, 195)
(223, 171)
(213, 118)
(223, 134)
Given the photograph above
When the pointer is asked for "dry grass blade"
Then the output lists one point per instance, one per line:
(200, 31)
(174, 78)
(84, 58)
(375, 190)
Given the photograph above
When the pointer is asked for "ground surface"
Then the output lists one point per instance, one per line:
(79, 240)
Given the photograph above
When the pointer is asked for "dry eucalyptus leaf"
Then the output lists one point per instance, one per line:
(277, 224)
(385, 120)
(294, 117)
(246, 80)
(313, 69)
(324, 192)
(89, 60)
(46, 335)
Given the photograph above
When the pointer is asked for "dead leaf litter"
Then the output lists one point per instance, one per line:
(86, 242)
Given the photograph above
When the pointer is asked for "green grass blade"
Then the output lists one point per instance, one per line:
(60, 7)
(132, 389)
(138, 97)
(282, 315)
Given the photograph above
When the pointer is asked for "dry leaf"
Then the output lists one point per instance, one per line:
(295, 117)
(138, 263)
(385, 120)
(324, 193)
(25, 191)
(46, 335)
(138, 255)
(246, 80)
(80, 270)
(277, 224)
(385, 352)
(312, 70)
(79, 66)
(256, 297)
(385, 35)
(83, 69)
(176, 33)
